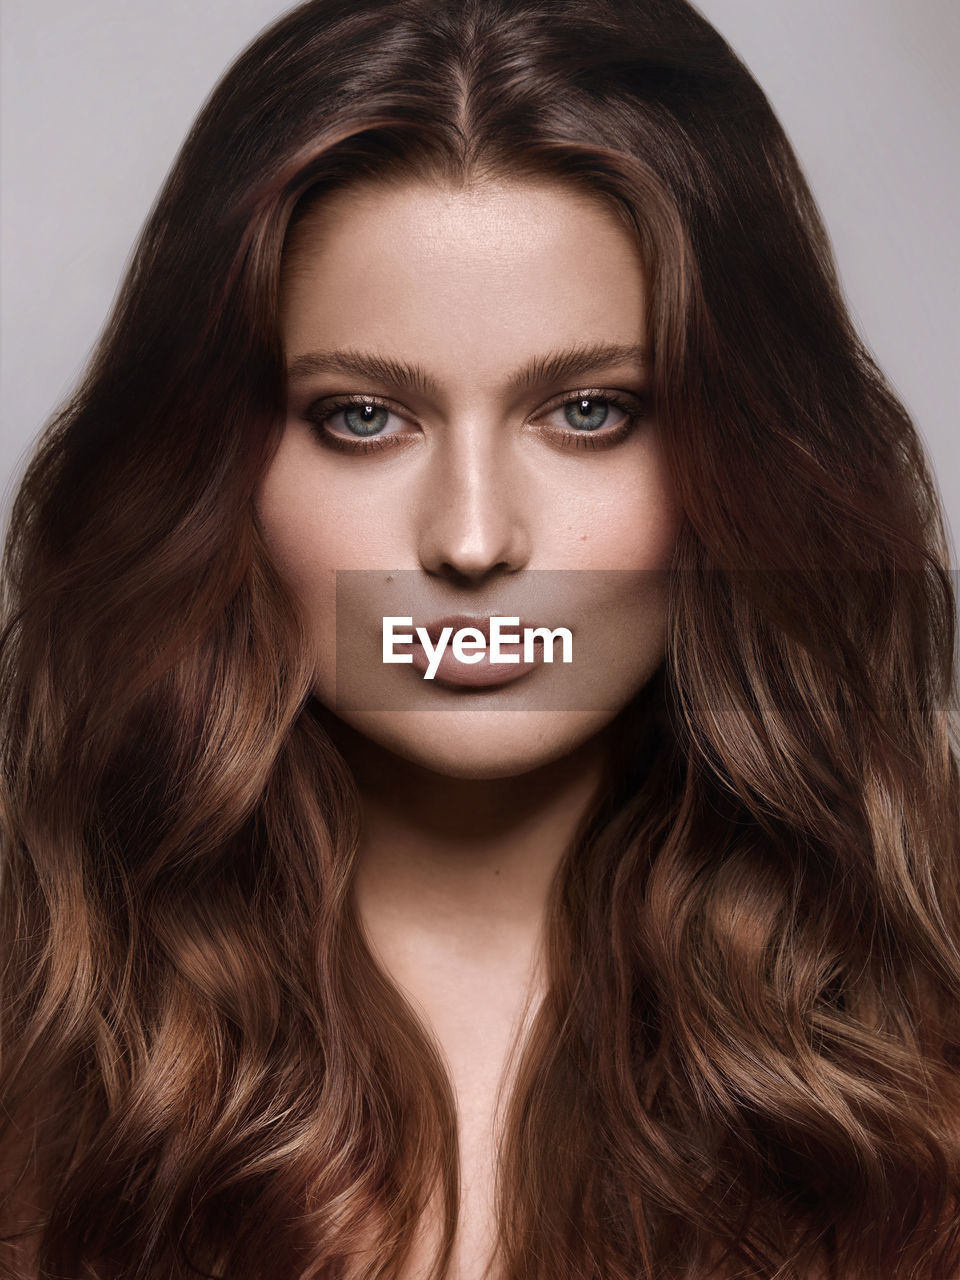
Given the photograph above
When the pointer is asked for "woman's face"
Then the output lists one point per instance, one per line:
(505, 463)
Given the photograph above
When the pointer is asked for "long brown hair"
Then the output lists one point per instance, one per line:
(749, 1051)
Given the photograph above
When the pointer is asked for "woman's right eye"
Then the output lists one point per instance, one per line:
(354, 424)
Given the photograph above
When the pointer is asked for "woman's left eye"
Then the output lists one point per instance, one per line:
(591, 420)
(586, 413)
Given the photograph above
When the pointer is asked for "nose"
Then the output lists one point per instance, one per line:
(473, 517)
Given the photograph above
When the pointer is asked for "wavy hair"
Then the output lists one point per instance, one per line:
(747, 1060)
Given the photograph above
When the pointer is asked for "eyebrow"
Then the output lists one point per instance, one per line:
(547, 368)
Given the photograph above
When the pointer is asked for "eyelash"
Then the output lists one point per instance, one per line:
(634, 408)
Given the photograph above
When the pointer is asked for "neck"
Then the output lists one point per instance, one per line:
(463, 863)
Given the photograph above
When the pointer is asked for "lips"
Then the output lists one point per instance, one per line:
(481, 674)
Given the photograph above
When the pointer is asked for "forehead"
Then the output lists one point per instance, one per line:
(461, 278)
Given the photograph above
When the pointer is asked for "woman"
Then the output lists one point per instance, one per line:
(639, 965)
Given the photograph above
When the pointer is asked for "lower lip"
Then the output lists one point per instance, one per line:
(478, 675)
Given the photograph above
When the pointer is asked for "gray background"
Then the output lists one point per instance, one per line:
(97, 96)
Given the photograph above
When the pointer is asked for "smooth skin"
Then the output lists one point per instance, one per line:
(476, 482)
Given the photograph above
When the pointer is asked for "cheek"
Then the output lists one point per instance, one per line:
(302, 534)
(296, 532)
(635, 523)
(641, 533)
(314, 524)
(629, 519)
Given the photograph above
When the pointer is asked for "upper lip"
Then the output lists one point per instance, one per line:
(457, 621)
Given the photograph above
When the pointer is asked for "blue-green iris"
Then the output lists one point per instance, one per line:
(366, 419)
(576, 413)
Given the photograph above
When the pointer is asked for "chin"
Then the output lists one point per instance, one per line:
(480, 744)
